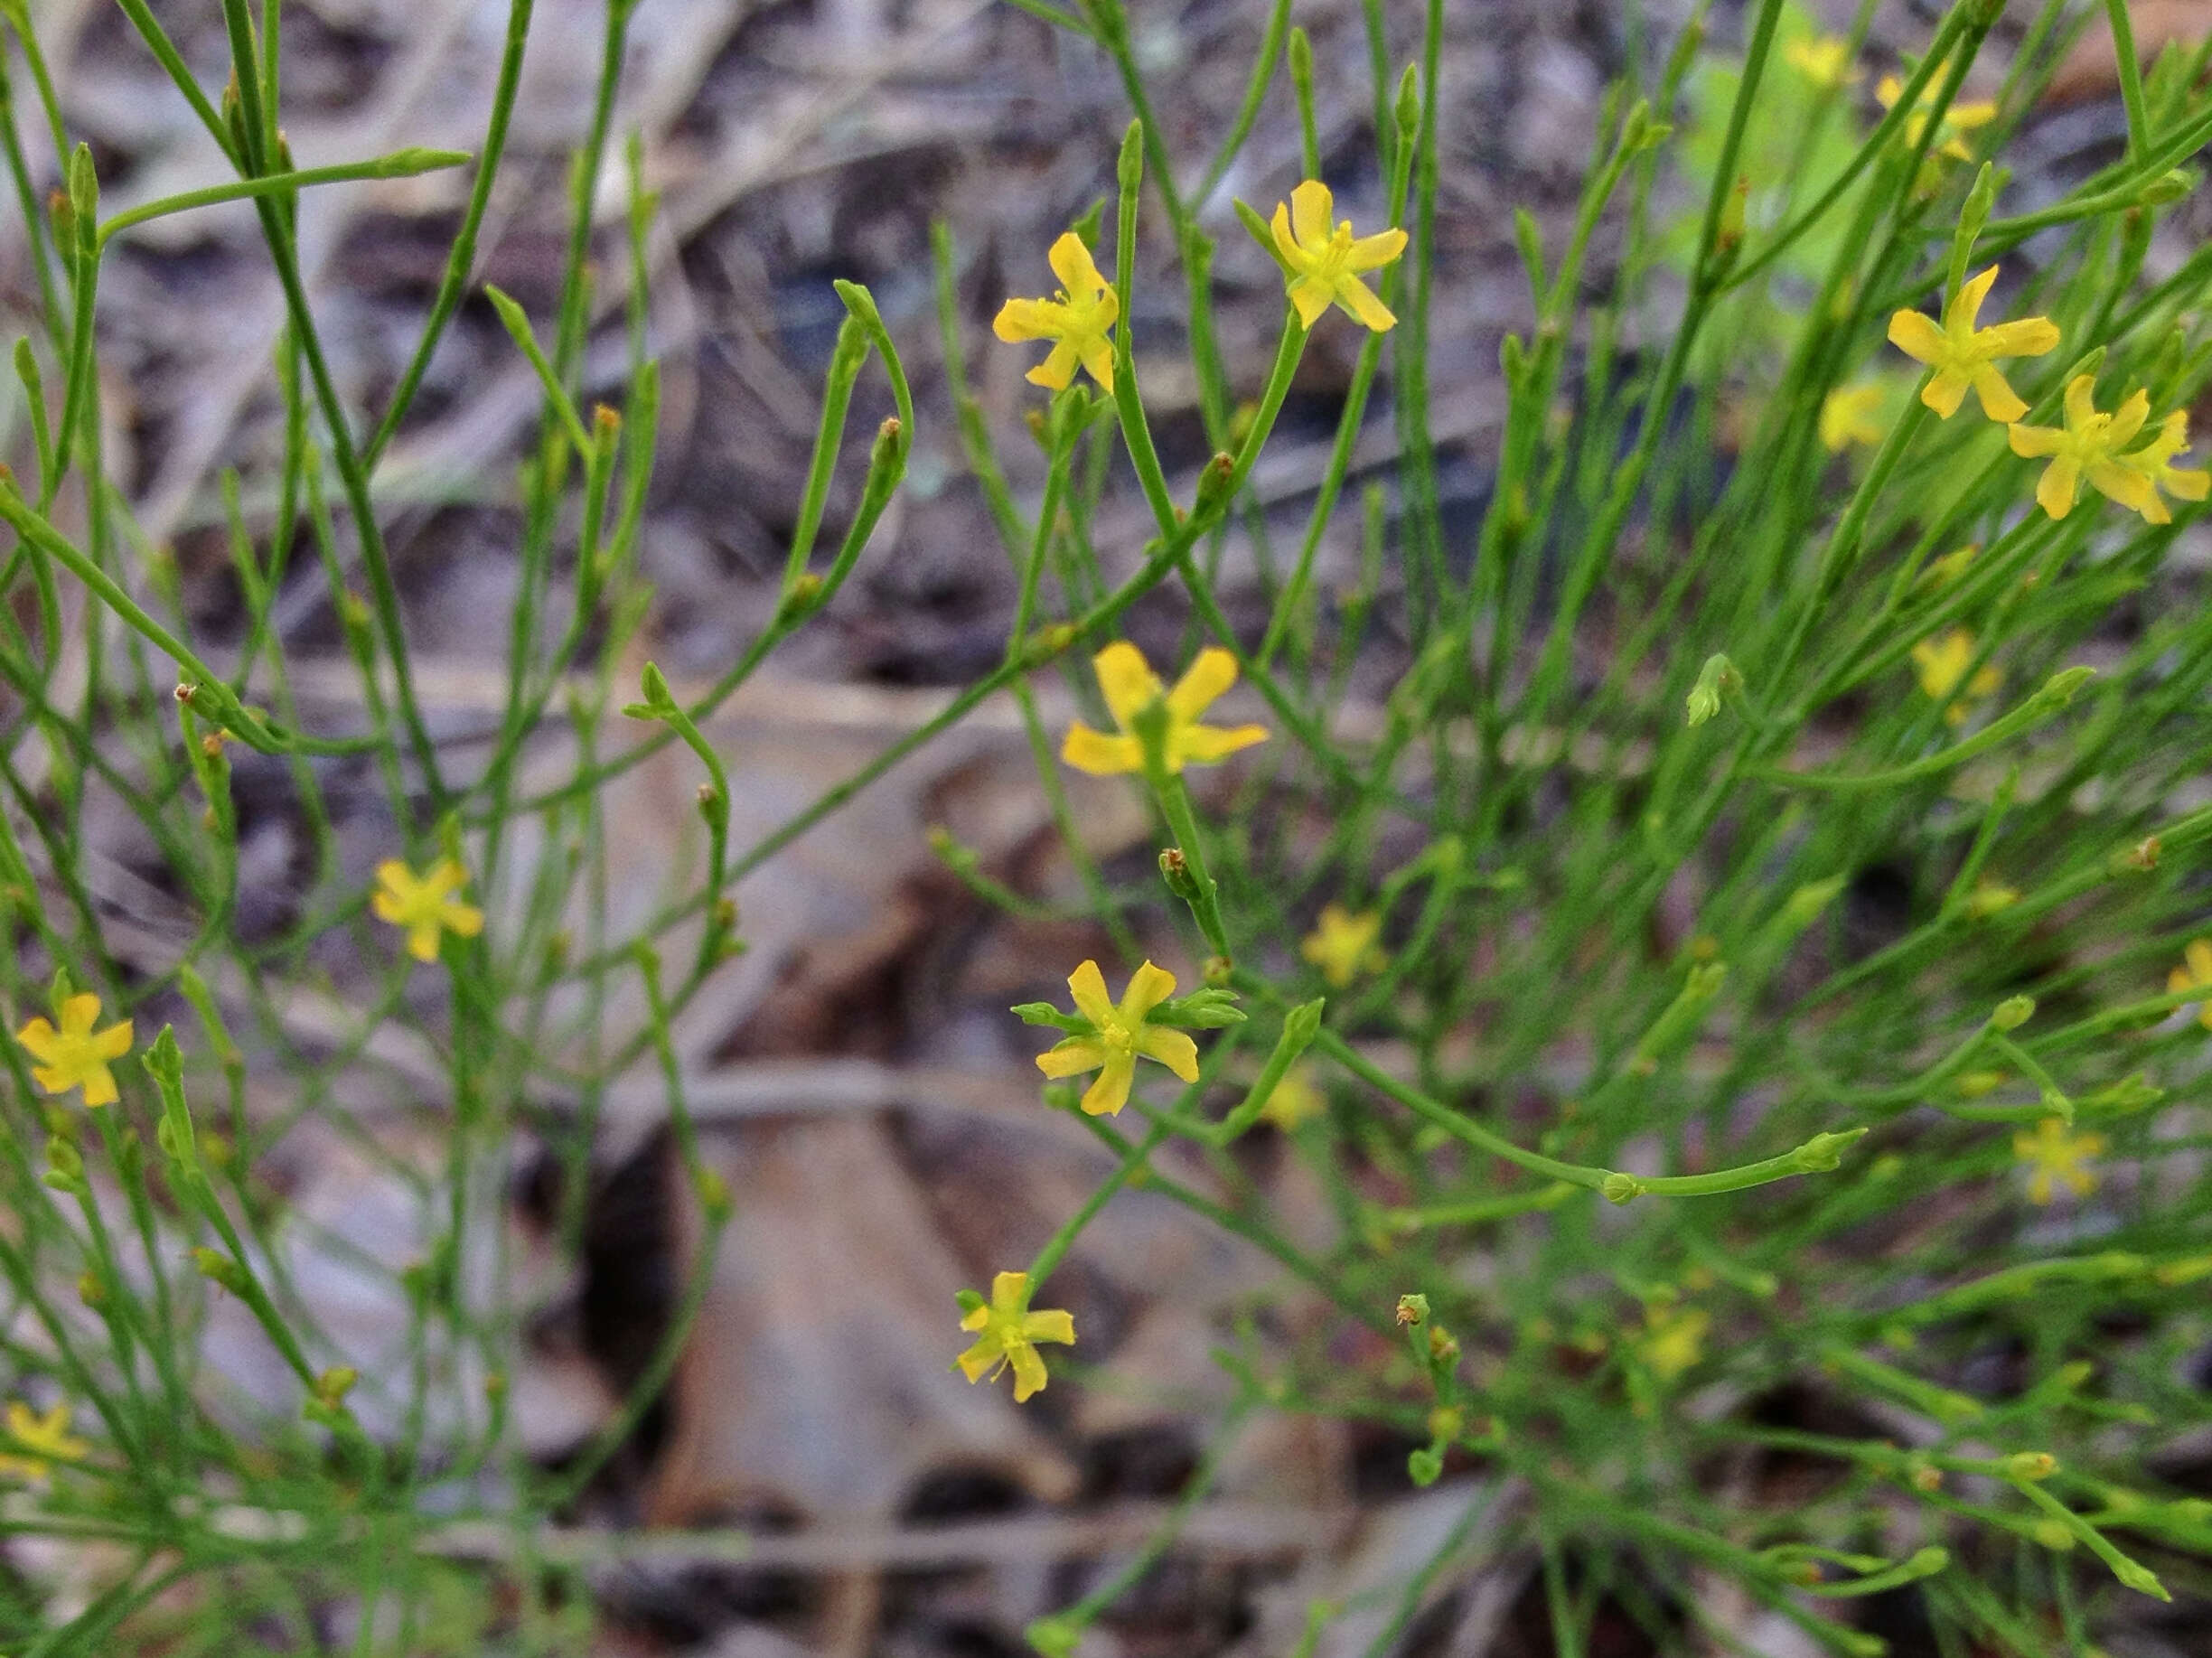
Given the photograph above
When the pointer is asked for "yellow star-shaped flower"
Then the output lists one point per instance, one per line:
(1007, 1334)
(1118, 1034)
(1823, 60)
(1323, 264)
(1964, 355)
(1131, 689)
(1941, 662)
(2155, 462)
(1078, 319)
(2195, 974)
(76, 1055)
(2089, 447)
(1847, 417)
(45, 1437)
(2058, 1157)
(425, 904)
(1673, 1339)
(1343, 945)
(1957, 120)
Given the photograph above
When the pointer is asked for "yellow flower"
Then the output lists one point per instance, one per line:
(1324, 265)
(1964, 355)
(2155, 460)
(425, 905)
(1116, 1036)
(76, 1055)
(2195, 975)
(47, 1435)
(1941, 662)
(1078, 319)
(2089, 446)
(1847, 417)
(2058, 1156)
(1295, 1101)
(1343, 945)
(1675, 1339)
(1823, 60)
(1958, 119)
(1131, 689)
(1007, 1334)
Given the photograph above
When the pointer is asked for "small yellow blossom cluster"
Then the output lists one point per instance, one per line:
(1006, 1333)
(1321, 264)
(1131, 690)
(2195, 973)
(1118, 1034)
(2056, 1159)
(74, 1055)
(425, 904)
(1951, 130)
(1941, 662)
(2092, 446)
(1343, 944)
(43, 1441)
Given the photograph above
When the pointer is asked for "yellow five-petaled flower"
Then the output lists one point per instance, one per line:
(2058, 1157)
(1825, 60)
(1849, 415)
(1323, 264)
(47, 1436)
(1957, 120)
(1964, 355)
(1006, 1333)
(1941, 662)
(2195, 974)
(1078, 319)
(1118, 1034)
(1345, 944)
(2092, 446)
(425, 904)
(76, 1055)
(1131, 689)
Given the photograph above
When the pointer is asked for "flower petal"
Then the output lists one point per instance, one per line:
(1357, 298)
(2187, 483)
(2029, 441)
(462, 920)
(1070, 262)
(2080, 402)
(1126, 680)
(1071, 1057)
(1944, 391)
(1101, 755)
(423, 940)
(1052, 1324)
(1286, 245)
(1960, 315)
(1917, 337)
(1373, 252)
(1999, 400)
(2130, 488)
(1097, 354)
(2061, 482)
(1025, 319)
(1148, 986)
(1311, 207)
(1028, 1372)
(2128, 418)
(1207, 745)
(1173, 1048)
(1057, 369)
(1009, 1293)
(100, 1085)
(1110, 1092)
(1310, 297)
(80, 1013)
(980, 1359)
(113, 1043)
(1211, 673)
(1087, 985)
(39, 1036)
(2030, 336)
